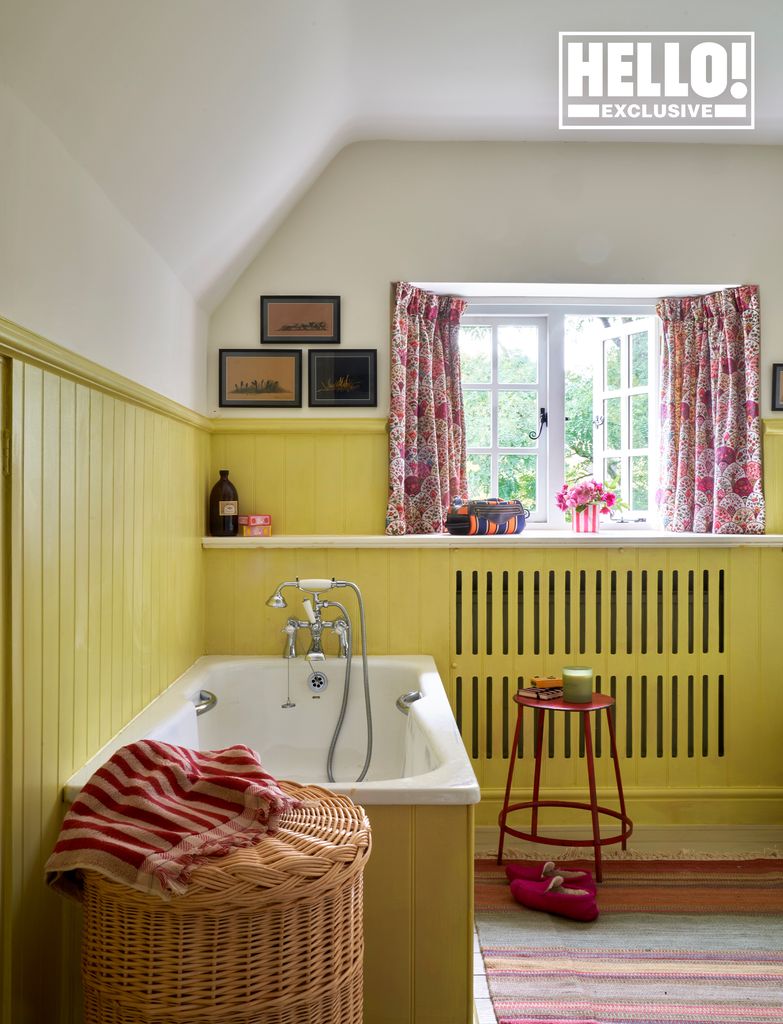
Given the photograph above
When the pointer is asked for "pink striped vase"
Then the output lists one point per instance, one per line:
(585, 522)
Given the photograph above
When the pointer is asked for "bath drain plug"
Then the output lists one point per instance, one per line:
(317, 682)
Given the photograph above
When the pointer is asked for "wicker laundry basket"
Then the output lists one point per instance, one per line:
(269, 934)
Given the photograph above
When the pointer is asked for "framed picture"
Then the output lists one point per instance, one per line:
(342, 378)
(261, 380)
(292, 318)
(777, 386)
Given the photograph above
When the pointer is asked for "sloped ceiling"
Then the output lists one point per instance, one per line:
(205, 120)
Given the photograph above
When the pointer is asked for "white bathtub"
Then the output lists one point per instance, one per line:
(418, 758)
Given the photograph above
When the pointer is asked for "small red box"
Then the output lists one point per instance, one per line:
(255, 520)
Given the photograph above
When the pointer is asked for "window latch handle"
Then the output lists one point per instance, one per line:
(543, 421)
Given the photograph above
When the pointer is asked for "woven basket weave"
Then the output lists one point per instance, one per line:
(269, 934)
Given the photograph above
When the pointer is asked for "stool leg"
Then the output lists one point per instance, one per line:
(539, 746)
(613, 745)
(593, 798)
(511, 763)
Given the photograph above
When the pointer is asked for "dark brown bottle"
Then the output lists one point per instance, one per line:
(224, 508)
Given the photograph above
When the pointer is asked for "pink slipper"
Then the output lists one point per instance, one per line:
(532, 872)
(555, 898)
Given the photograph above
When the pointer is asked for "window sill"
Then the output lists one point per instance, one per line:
(531, 538)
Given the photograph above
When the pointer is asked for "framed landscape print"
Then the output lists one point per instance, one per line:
(261, 380)
(307, 318)
(344, 377)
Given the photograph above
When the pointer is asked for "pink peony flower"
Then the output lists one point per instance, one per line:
(583, 494)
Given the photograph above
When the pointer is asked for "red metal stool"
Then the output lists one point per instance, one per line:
(598, 703)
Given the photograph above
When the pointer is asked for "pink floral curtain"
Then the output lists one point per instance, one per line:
(710, 429)
(426, 422)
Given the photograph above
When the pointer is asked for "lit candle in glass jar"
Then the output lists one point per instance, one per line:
(578, 685)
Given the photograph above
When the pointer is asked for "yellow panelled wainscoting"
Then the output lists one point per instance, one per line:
(106, 608)
(772, 440)
(418, 915)
(311, 475)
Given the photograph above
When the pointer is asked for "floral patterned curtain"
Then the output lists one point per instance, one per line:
(427, 453)
(710, 430)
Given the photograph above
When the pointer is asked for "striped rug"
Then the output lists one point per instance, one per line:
(677, 942)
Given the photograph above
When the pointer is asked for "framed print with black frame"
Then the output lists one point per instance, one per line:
(261, 380)
(777, 387)
(342, 378)
(287, 319)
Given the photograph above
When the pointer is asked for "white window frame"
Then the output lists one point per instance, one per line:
(602, 394)
(494, 386)
(551, 446)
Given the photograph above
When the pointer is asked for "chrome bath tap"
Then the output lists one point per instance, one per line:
(315, 624)
(344, 630)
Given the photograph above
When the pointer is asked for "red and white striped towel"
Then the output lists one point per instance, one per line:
(154, 811)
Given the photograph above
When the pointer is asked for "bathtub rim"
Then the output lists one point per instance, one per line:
(452, 782)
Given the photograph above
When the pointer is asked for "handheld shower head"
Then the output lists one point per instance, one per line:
(277, 600)
(309, 586)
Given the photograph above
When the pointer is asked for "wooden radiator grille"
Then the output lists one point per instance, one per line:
(657, 717)
(588, 604)
(653, 629)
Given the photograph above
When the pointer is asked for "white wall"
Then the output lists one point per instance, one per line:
(74, 270)
(517, 212)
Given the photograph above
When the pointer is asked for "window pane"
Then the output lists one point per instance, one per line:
(517, 478)
(640, 411)
(612, 429)
(517, 416)
(613, 476)
(475, 350)
(580, 354)
(640, 368)
(478, 418)
(612, 364)
(640, 491)
(479, 476)
(517, 354)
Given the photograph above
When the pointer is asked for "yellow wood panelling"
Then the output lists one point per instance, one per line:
(418, 916)
(5, 708)
(286, 425)
(773, 473)
(108, 608)
(314, 479)
(18, 342)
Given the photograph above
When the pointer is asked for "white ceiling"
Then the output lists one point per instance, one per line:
(205, 120)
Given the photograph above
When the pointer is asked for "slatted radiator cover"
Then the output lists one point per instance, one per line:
(655, 635)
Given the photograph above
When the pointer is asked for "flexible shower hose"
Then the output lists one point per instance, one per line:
(347, 686)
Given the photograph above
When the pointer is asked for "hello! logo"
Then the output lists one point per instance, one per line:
(655, 80)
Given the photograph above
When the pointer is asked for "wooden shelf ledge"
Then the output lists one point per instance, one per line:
(531, 538)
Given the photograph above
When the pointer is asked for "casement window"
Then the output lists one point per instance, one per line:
(560, 393)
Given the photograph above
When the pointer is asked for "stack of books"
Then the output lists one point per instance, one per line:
(543, 692)
(545, 688)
